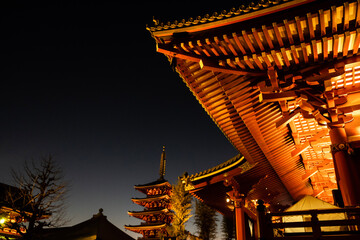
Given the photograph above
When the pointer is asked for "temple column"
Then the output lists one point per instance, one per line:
(239, 220)
(346, 175)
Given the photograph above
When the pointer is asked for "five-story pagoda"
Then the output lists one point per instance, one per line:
(156, 214)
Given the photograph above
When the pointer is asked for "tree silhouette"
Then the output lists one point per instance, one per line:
(38, 198)
(227, 228)
(205, 221)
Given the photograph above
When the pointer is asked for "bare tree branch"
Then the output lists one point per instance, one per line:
(39, 197)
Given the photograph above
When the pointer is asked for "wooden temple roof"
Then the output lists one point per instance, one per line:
(265, 74)
(157, 183)
(150, 199)
(149, 212)
(145, 227)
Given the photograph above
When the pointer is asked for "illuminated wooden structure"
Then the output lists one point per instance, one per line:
(156, 214)
(9, 214)
(281, 79)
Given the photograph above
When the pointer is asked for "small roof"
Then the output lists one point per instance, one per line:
(150, 199)
(157, 183)
(148, 212)
(225, 166)
(98, 227)
(310, 203)
(145, 226)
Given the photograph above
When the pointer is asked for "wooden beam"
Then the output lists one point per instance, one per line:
(301, 148)
(257, 61)
(238, 43)
(304, 51)
(286, 59)
(309, 174)
(346, 44)
(357, 19)
(357, 40)
(276, 59)
(333, 19)
(288, 32)
(257, 39)
(185, 47)
(209, 65)
(322, 22)
(294, 54)
(315, 51)
(195, 48)
(274, 97)
(247, 40)
(288, 118)
(203, 48)
(167, 50)
(266, 59)
(325, 48)
(230, 46)
(239, 63)
(204, 63)
(212, 47)
(277, 34)
(219, 44)
(335, 45)
(230, 63)
(267, 36)
(346, 15)
(299, 29)
(248, 62)
(310, 26)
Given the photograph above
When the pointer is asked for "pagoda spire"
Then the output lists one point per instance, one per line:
(162, 164)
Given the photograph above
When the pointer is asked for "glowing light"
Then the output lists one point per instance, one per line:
(2, 220)
(227, 200)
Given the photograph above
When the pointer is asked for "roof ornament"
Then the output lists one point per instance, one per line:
(99, 214)
(162, 164)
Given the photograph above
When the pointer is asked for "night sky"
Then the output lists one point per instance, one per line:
(82, 81)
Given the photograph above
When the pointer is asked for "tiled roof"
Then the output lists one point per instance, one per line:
(242, 10)
(153, 184)
(225, 165)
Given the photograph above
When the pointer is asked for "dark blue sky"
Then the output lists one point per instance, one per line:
(83, 82)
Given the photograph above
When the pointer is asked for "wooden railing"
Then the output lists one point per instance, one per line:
(272, 227)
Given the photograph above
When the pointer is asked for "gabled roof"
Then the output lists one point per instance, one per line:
(98, 227)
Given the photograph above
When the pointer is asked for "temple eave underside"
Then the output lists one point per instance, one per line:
(275, 87)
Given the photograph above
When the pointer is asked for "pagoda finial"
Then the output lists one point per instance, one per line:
(162, 164)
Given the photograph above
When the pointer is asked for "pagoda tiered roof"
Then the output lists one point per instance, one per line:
(156, 183)
(156, 214)
(150, 199)
(149, 212)
(149, 226)
(267, 76)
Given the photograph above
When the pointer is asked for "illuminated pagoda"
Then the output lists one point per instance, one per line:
(156, 214)
(281, 80)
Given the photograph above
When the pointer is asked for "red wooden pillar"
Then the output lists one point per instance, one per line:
(239, 220)
(346, 175)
